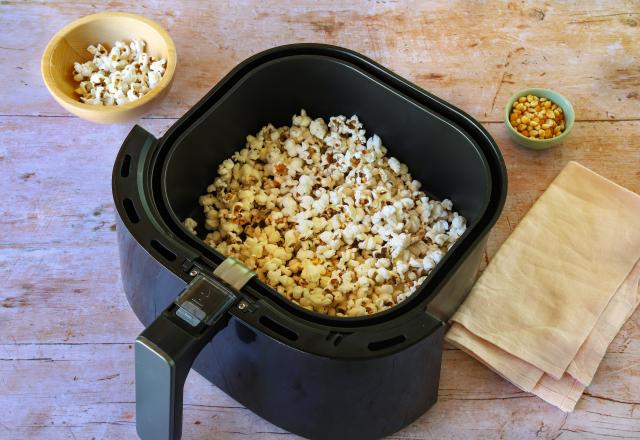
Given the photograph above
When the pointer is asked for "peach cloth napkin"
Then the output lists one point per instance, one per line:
(558, 290)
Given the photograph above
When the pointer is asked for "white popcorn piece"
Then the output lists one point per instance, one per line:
(458, 226)
(301, 120)
(304, 185)
(428, 263)
(311, 272)
(318, 128)
(191, 225)
(399, 243)
(436, 255)
(349, 233)
(395, 165)
(318, 210)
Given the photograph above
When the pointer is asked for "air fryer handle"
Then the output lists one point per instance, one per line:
(165, 351)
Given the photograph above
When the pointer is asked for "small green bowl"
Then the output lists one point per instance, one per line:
(541, 144)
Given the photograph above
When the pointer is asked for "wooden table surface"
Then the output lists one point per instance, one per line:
(66, 359)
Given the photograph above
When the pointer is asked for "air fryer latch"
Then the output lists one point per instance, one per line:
(205, 298)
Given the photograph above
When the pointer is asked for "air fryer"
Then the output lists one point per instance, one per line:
(313, 375)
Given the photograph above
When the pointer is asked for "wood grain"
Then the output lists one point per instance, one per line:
(66, 366)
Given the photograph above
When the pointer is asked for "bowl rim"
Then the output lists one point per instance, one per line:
(49, 81)
(564, 104)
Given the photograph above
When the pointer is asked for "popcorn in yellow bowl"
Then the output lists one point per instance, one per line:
(117, 76)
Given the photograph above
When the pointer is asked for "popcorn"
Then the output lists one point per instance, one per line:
(116, 77)
(311, 272)
(349, 233)
(458, 226)
(318, 128)
(191, 224)
(398, 243)
(304, 185)
(394, 164)
(323, 216)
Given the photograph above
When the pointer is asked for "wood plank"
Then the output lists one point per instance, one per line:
(57, 233)
(60, 175)
(93, 396)
(474, 57)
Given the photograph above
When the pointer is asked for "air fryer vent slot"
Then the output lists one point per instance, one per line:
(278, 328)
(386, 343)
(126, 163)
(131, 211)
(336, 337)
(162, 249)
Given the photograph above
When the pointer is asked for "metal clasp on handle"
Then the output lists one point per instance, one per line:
(204, 301)
(165, 350)
(198, 303)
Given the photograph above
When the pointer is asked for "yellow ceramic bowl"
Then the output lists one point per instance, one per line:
(70, 45)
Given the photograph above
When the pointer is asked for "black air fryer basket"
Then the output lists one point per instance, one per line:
(314, 375)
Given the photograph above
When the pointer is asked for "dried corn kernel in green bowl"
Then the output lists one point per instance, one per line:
(538, 118)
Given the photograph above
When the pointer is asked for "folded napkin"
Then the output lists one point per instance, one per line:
(558, 290)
